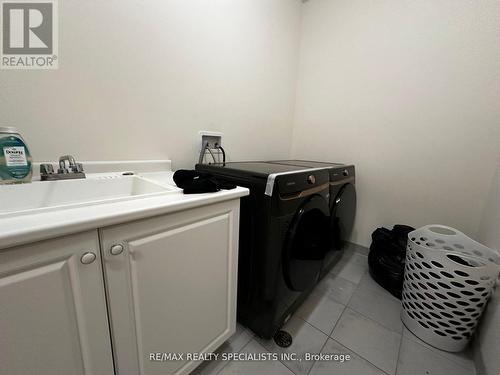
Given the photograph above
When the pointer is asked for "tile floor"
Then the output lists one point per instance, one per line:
(347, 313)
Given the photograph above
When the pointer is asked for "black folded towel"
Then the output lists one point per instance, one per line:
(194, 182)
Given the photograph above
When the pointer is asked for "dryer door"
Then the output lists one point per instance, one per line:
(343, 214)
(306, 244)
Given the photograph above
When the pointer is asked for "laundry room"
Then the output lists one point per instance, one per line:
(295, 187)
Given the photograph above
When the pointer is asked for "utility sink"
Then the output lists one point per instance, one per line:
(55, 195)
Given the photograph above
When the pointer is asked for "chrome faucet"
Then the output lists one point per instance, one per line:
(62, 164)
(74, 170)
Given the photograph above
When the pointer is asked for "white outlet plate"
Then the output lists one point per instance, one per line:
(211, 137)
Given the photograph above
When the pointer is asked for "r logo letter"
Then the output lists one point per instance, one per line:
(27, 28)
(35, 22)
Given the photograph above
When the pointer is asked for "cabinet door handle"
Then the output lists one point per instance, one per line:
(116, 249)
(88, 257)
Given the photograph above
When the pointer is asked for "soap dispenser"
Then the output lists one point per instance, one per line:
(15, 158)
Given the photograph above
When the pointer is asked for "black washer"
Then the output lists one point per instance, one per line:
(283, 238)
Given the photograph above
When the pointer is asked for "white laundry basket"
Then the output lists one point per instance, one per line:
(448, 280)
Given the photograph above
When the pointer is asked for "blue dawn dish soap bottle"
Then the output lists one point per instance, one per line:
(15, 158)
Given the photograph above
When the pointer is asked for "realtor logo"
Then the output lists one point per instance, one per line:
(29, 34)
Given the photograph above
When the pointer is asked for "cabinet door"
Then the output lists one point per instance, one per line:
(53, 317)
(173, 287)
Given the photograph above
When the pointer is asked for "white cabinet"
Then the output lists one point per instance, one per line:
(53, 316)
(171, 286)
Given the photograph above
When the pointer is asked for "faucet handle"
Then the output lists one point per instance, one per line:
(77, 168)
(46, 169)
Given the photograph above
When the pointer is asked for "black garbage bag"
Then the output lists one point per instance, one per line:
(386, 260)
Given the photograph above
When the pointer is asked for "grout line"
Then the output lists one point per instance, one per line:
(238, 351)
(327, 337)
(290, 369)
(360, 356)
(380, 324)
(252, 335)
(373, 321)
(340, 317)
(284, 364)
(399, 353)
(313, 326)
(324, 344)
(367, 317)
(354, 351)
(314, 362)
(243, 347)
(319, 329)
(349, 281)
(337, 322)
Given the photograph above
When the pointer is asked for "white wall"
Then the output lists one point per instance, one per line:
(406, 90)
(409, 91)
(489, 230)
(488, 341)
(139, 79)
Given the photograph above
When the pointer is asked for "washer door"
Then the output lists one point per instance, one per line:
(342, 216)
(306, 244)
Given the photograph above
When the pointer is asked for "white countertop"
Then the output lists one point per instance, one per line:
(22, 229)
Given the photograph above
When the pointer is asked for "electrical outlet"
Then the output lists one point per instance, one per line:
(213, 139)
(209, 146)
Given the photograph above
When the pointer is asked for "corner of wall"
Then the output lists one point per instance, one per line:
(291, 150)
(486, 349)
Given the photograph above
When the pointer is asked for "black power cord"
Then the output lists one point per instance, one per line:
(206, 147)
(223, 153)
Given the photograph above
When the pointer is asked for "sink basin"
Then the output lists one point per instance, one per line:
(55, 195)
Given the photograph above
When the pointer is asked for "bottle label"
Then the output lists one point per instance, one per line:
(15, 159)
(15, 156)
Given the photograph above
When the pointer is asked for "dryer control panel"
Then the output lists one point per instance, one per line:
(342, 174)
(300, 184)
